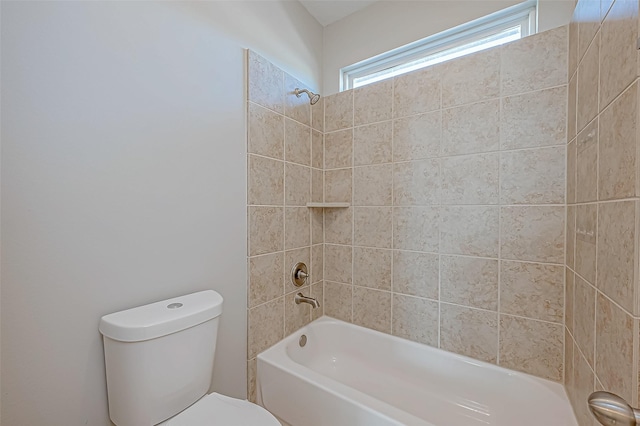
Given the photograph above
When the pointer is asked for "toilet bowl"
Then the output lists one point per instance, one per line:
(215, 409)
(159, 363)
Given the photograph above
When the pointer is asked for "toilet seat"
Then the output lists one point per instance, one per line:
(221, 410)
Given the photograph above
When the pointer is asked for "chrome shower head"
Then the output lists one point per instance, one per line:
(313, 97)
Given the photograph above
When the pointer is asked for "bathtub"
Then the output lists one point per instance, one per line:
(348, 375)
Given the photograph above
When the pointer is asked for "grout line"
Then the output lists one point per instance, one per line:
(500, 157)
(445, 157)
(393, 196)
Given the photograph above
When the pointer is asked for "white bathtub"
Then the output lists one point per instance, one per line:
(348, 375)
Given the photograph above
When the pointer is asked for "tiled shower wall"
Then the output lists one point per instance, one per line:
(603, 292)
(456, 179)
(284, 173)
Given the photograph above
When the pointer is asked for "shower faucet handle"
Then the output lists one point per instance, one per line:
(299, 274)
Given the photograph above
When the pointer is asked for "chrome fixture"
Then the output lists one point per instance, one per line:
(610, 410)
(303, 340)
(300, 298)
(299, 274)
(313, 97)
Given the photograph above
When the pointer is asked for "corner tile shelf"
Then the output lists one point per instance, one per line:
(328, 205)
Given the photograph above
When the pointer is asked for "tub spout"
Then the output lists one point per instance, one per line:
(300, 298)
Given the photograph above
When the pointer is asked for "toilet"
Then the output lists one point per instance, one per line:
(159, 363)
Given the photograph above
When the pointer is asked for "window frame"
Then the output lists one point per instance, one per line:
(523, 14)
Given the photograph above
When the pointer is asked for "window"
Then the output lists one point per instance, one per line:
(493, 30)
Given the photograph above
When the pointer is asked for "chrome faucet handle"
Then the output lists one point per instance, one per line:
(299, 274)
(611, 410)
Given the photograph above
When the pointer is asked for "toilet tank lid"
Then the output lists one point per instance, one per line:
(162, 318)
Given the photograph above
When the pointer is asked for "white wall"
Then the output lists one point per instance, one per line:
(123, 180)
(387, 25)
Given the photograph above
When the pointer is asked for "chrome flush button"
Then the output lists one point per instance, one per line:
(174, 305)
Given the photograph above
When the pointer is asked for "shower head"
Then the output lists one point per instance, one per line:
(313, 97)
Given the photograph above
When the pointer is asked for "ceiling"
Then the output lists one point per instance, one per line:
(329, 11)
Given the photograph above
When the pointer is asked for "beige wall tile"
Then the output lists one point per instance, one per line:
(471, 179)
(471, 78)
(584, 386)
(317, 186)
(372, 268)
(533, 176)
(469, 281)
(338, 226)
(470, 230)
(317, 226)
(417, 92)
(317, 115)
(532, 290)
(266, 132)
(588, 72)
(616, 251)
(535, 62)
(417, 137)
(295, 316)
(416, 183)
(372, 144)
(266, 83)
(471, 129)
(372, 103)
(534, 233)
(338, 149)
(337, 185)
(372, 309)
(372, 227)
(571, 237)
(266, 326)
(573, 47)
(534, 119)
(265, 278)
(296, 108)
(587, 164)
(617, 174)
(338, 300)
(416, 228)
(252, 369)
(614, 348)
(297, 184)
(572, 107)
(297, 227)
(297, 142)
(338, 111)
(416, 274)
(534, 347)
(469, 332)
(291, 257)
(571, 171)
(317, 150)
(338, 264)
(373, 185)
(585, 256)
(569, 299)
(568, 363)
(266, 181)
(588, 19)
(317, 263)
(585, 317)
(415, 319)
(266, 230)
(619, 57)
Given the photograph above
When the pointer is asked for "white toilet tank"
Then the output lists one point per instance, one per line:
(159, 357)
